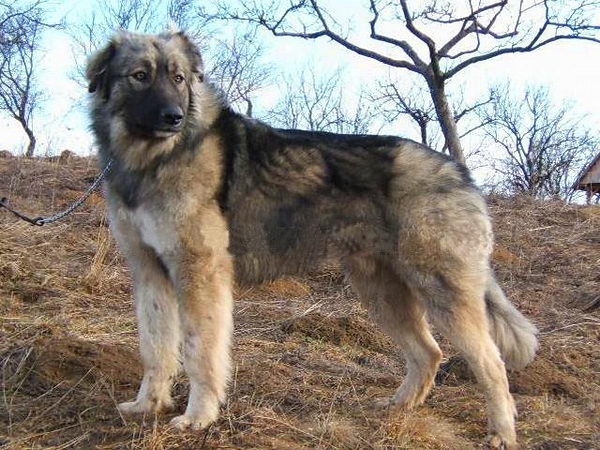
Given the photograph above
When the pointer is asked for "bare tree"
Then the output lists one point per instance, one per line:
(235, 67)
(316, 102)
(542, 147)
(359, 117)
(395, 99)
(182, 14)
(20, 29)
(435, 40)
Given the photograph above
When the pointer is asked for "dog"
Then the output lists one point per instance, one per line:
(201, 197)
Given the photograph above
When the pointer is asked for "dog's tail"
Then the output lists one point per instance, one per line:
(513, 333)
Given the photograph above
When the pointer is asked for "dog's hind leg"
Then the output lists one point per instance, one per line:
(158, 321)
(399, 313)
(458, 310)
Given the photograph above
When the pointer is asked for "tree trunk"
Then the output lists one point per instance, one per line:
(423, 128)
(32, 142)
(446, 119)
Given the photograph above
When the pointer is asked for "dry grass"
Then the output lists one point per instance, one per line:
(308, 363)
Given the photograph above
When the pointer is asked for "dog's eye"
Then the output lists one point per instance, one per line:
(140, 75)
(178, 78)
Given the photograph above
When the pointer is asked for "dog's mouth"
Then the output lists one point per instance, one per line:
(152, 132)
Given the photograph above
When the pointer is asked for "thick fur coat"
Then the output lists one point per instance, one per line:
(201, 197)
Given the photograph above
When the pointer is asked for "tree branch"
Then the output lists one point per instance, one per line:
(521, 49)
(404, 45)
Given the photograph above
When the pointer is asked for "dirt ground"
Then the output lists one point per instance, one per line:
(308, 362)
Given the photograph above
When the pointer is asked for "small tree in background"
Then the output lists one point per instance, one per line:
(542, 148)
(316, 102)
(395, 99)
(20, 30)
(235, 67)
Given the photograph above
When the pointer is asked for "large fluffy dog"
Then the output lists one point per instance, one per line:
(200, 197)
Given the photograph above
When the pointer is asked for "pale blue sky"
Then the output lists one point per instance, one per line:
(570, 69)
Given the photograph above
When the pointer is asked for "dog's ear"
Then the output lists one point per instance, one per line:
(97, 70)
(193, 53)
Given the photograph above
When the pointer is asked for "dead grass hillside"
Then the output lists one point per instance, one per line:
(308, 363)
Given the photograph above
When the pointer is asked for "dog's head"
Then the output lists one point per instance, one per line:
(147, 81)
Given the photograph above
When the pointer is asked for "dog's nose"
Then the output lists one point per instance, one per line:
(172, 115)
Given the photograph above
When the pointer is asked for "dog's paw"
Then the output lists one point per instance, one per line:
(194, 422)
(381, 403)
(145, 406)
(393, 404)
(496, 441)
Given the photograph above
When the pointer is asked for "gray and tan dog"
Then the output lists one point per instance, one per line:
(200, 197)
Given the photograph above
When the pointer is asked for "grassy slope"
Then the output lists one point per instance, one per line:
(308, 363)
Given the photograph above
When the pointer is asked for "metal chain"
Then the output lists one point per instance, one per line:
(39, 221)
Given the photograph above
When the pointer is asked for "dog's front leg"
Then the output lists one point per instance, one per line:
(157, 314)
(205, 307)
(156, 308)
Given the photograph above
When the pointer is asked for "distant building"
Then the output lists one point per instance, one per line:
(589, 180)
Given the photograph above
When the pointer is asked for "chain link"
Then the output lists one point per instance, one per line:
(39, 221)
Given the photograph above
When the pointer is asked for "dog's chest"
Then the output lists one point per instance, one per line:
(156, 229)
